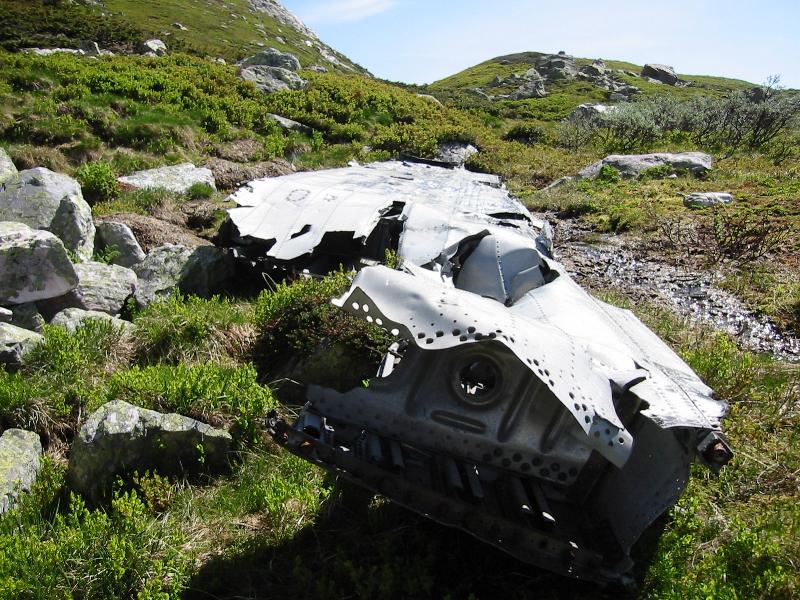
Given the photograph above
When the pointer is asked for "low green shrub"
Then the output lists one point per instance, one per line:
(199, 190)
(98, 181)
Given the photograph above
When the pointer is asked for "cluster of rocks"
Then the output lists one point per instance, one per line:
(48, 238)
(153, 47)
(271, 70)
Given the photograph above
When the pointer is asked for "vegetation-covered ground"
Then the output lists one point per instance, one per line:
(275, 526)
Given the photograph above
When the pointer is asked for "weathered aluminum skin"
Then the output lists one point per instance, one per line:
(515, 406)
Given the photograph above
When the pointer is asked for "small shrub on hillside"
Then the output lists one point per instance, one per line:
(187, 328)
(527, 133)
(98, 181)
(608, 174)
(745, 233)
(199, 190)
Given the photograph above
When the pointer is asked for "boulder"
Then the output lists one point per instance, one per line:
(120, 438)
(174, 178)
(7, 168)
(15, 342)
(532, 88)
(596, 69)
(5, 315)
(71, 318)
(20, 461)
(34, 265)
(91, 48)
(632, 165)
(589, 111)
(707, 199)
(52, 201)
(202, 272)
(153, 48)
(289, 125)
(120, 238)
(101, 287)
(272, 79)
(271, 57)
(455, 153)
(661, 73)
(554, 67)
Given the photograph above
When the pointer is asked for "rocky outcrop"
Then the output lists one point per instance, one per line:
(596, 69)
(707, 199)
(272, 70)
(101, 287)
(71, 318)
(20, 461)
(272, 57)
(112, 235)
(34, 265)
(202, 271)
(7, 168)
(532, 88)
(15, 342)
(272, 79)
(554, 67)
(660, 73)
(52, 201)
(175, 178)
(632, 165)
(121, 438)
(153, 48)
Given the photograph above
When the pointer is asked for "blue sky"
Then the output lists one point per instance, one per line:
(418, 41)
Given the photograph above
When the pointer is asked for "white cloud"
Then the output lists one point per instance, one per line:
(346, 11)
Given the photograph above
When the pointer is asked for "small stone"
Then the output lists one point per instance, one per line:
(15, 342)
(5, 315)
(119, 237)
(289, 125)
(20, 461)
(7, 168)
(153, 48)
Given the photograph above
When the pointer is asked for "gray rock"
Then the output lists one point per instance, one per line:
(119, 237)
(455, 153)
(288, 124)
(7, 168)
(661, 73)
(121, 438)
(554, 67)
(91, 48)
(34, 265)
(71, 318)
(15, 342)
(202, 272)
(27, 316)
(589, 111)
(532, 88)
(52, 201)
(596, 69)
(272, 79)
(180, 26)
(272, 57)
(20, 461)
(632, 165)
(479, 93)
(707, 199)
(153, 48)
(175, 178)
(557, 183)
(101, 287)
(51, 51)
(5, 315)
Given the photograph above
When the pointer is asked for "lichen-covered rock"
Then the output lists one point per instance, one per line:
(112, 235)
(272, 79)
(52, 201)
(175, 178)
(7, 168)
(533, 87)
(632, 165)
(554, 67)
(20, 460)
(290, 125)
(153, 48)
(455, 153)
(101, 287)
(661, 73)
(71, 318)
(15, 342)
(201, 271)
(271, 57)
(707, 199)
(34, 265)
(121, 438)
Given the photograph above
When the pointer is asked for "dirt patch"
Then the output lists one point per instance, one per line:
(152, 232)
(229, 174)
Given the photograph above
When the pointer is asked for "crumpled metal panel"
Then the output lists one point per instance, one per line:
(440, 206)
(514, 405)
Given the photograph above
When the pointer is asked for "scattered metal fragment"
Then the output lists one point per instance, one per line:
(514, 405)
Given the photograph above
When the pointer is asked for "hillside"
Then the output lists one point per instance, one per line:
(717, 283)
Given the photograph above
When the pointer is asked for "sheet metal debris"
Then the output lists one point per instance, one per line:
(514, 405)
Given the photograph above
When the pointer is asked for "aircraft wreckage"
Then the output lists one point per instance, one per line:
(513, 405)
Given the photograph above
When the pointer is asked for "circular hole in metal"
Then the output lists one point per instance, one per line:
(395, 332)
(478, 380)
